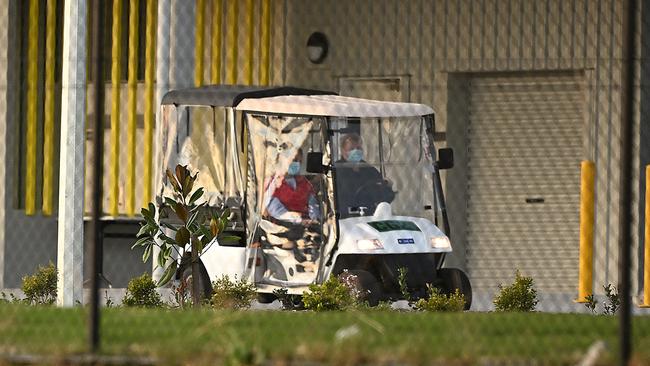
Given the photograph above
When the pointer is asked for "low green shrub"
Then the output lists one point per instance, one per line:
(287, 300)
(229, 294)
(332, 294)
(141, 292)
(40, 288)
(610, 307)
(519, 296)
(437, 301)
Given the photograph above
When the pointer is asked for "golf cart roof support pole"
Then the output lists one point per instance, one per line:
(163, 54)
(71, 179)
(48, 113)
(441, 200)
(216, 37)
(200, 41)
(231, 45)
(131, 106)
(116, 81)
(149, 81)
(381, 149)
(32, 108)
(335, 247)
(265, 43)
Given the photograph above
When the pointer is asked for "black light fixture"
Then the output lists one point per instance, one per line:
(317, 47)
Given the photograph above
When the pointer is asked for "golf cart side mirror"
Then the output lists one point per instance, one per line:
(315, 163)
(445, 158)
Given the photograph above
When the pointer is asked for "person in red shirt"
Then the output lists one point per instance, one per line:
(294, 199)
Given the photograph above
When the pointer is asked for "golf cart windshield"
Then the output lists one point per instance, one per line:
(382, 160)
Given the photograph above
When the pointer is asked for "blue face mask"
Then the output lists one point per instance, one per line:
(355, 155)
(294, 168)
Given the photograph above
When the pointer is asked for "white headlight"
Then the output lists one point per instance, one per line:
(369, 244)
(440, 242)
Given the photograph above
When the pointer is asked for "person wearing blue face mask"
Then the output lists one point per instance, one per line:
(359, 184)
(294, 199)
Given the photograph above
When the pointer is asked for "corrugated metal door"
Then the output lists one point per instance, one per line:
(525, 146)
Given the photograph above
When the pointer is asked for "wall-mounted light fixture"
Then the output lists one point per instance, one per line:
(317, 47)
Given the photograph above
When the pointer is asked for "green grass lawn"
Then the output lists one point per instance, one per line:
(374, 336)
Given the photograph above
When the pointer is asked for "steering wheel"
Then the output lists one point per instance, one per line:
(373, 193)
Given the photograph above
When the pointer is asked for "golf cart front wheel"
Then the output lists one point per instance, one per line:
(364, 284)
(454, 279)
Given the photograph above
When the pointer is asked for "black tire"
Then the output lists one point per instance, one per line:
(366, 285)
(204, 280)
(454, 278)
(264, 298)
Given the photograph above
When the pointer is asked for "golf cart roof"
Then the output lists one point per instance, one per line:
(332, 106)
(229, 95)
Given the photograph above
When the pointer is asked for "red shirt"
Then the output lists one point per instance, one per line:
(295, 199)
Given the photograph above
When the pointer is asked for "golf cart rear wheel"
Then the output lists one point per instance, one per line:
(454, 279)
(365, 285)
(204, 281)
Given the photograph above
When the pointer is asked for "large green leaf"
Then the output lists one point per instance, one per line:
(141, 241)
(145, 229)
(147, 253)
(181, 211)
(182, 236)
(196, 195)
(172, 180)
(168, 274)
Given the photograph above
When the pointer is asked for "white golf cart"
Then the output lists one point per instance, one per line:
(318, 184)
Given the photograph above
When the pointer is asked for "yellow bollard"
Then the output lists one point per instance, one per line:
(646, 257)
(585, 285)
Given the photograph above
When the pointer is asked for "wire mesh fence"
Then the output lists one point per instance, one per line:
(379, 182)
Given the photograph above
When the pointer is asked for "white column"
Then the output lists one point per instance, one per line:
(162, 86)
(71, 181)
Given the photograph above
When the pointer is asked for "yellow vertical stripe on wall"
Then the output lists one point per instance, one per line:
(32, 106)
(116, 54)
(150, 54)
(265, 43)
(131, 105)
(250, 29)
(232, 41)
(200, 42)
(48, 122)
(215, 65)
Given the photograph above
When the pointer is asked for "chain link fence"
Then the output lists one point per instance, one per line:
(543, 104)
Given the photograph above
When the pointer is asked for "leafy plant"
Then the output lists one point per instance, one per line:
(519, 296)
(403, 286)
(11, 299)
(610, 307)
(180, 293)
(332, 294)
(195, 228)
(40, 288)
(228, 294)
(141, 291)
(288, 301)
(591, 303)
(437, 301)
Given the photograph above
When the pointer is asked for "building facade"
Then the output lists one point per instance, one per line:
(524, 91)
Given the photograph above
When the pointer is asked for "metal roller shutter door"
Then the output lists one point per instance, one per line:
(525, 146)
